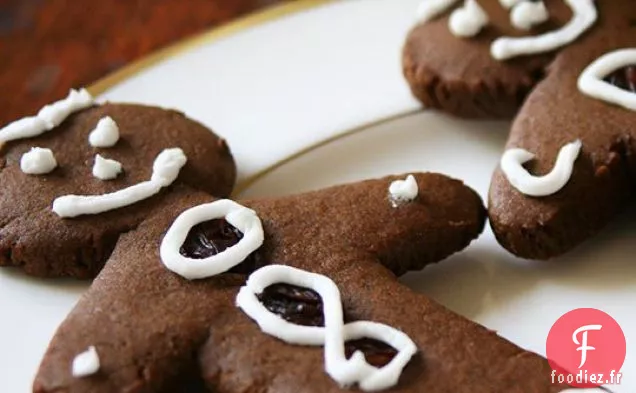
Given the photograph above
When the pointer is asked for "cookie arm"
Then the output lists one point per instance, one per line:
(442, 219)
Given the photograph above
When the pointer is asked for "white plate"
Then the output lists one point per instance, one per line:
(285, 85)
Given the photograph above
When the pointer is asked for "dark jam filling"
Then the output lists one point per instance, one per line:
(303, 306)
(213, 237)
(376, 352)
(294, 304)
(624, 78)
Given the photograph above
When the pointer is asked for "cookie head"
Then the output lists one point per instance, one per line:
(75, 178)
(481, 58)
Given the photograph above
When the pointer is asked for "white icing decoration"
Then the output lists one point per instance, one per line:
(585, 15)
(47, 118)
(589, 390)
(164, 171)
(86, 363)
(592, 84)
(509, 3)
(430, 9)
(38, 161)
(468, 20)
(105, 134)
(519, 178)
(403, 190)
(106, 169)
(242, 218)
(333, 335)
(527, 14)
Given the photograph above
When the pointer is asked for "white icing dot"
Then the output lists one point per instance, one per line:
(105, 134)
(430, 9)
(242, 218)
(38, 161)
(592, 84)
(584, 16)
(527, 14)
(86, 363)
(333, 336)
(47, 118)
(524, 182)
(106, 169)
(468, 20)
(403, 190)
(165, 171)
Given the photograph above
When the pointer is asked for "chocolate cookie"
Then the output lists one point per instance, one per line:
(459, 74)
(563, 111)
(568, 165)
(36, 233)
(162, 315)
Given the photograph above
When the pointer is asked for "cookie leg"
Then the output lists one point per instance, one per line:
(453, 353)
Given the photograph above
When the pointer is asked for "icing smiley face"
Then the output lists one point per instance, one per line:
(471, 18)
(152, 152)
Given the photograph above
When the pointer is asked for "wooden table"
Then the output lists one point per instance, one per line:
(49, 46)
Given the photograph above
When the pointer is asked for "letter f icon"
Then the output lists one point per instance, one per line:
(583, 344)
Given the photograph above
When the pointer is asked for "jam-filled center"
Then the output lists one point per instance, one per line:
(210, 238)
(623, 78)
(303, 306)
(213, 237)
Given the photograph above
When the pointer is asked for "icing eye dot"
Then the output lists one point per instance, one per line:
(527, 14)
(105, 134)
(106, 169)
(38, 161)
(469, 20)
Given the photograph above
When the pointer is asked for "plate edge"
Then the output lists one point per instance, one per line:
(211, 35)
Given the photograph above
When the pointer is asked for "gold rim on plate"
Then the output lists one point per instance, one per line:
(215, 34)
(209, 36)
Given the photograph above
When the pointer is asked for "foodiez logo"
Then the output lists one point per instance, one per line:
(586, 348)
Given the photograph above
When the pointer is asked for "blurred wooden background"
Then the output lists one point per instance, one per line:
(49, 46)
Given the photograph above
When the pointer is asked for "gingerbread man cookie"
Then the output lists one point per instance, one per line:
(568, 167)
(275, 294)
(76, 176)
